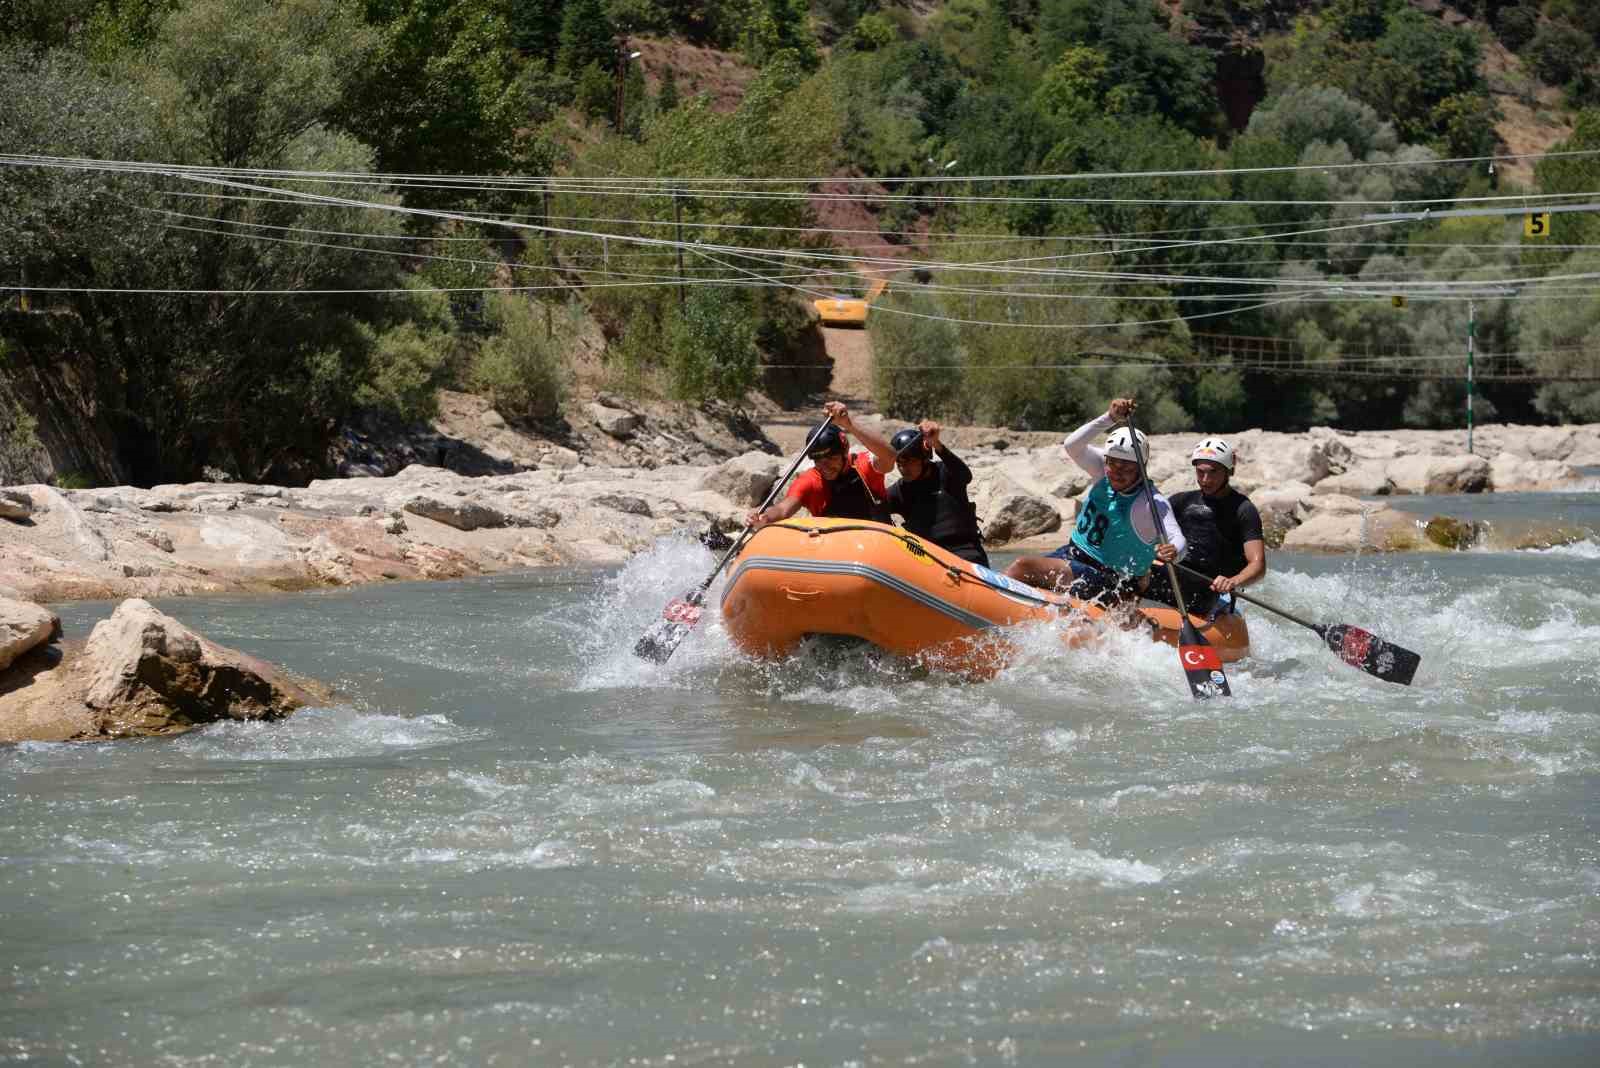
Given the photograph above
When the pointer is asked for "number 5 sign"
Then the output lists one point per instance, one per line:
(1537, 224)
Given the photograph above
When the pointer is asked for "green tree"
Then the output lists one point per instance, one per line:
(1358, 20)
(1516, 25)
(587, 36)
(1466, 124)
(596, 95)
(536, 27)
(41, 24)
(19, 441)
(1444, 60)
(240, 81)
(1152, 71)
(782, 26)
(440, 92)
(201, 370)
(1559, 52)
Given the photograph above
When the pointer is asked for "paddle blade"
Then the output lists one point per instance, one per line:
(1201, 664)
(667, 633)
(1365, 650)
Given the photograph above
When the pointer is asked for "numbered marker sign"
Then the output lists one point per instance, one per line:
(1537, 224)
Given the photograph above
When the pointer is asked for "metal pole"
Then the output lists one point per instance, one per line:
(1472, 333)
(677, 217)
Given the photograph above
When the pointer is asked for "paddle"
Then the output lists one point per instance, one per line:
(1198, 659)
(682, 613)
(1356, 647)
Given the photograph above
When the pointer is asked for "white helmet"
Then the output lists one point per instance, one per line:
(1119, 445)
(1216, 451)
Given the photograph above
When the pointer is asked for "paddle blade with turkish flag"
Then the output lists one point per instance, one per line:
(1365, 650)
(1201, 664)
(664, 636)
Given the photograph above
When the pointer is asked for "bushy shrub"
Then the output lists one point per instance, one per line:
(1559, 52)
(19, 442)
(917, 357)
(596, 95)
(1516, 25)
(873, 32)
(403, 371)
(712, 345)
(519, 368)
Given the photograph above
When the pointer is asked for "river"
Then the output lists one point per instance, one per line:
(514, 843)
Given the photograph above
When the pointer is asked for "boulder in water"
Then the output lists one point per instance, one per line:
(143, 673)
(1450, 533)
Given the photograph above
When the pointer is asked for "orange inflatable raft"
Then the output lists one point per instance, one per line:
(908, 596)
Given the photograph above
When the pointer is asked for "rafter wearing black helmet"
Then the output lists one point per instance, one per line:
(932, 493)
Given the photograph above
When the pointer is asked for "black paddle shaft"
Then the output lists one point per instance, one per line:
(681, 614)
(1201, 664)
(1356, 647)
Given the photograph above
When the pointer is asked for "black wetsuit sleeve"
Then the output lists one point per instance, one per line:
(894, 499)
(957, 475)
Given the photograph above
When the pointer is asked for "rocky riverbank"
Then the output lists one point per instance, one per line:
(1321, 491)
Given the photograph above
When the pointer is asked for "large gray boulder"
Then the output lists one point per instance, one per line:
(1372, 529)
(744, 480)
(1508, 471)
(1019, 515)
(1282, 507)
(22, 627)
(1439, 474)
(1363, 480)
(617, 422)
(463, 514)
(148, 674)
(1541, 442)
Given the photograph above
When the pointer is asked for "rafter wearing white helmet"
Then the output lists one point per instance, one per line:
(1214, 450)
(1119, 445)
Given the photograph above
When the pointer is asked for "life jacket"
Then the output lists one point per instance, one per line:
(951, 522)
(1107, 529)
(849, 497)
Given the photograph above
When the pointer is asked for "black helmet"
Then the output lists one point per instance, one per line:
(829, 441)
(905, 442)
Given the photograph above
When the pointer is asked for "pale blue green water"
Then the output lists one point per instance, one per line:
(513, 843)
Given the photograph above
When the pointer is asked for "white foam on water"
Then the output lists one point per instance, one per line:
(1061, 859)
(1061, 740)
(1587, 549)
(544, 856)
(321, 734)
(901, 897)
(486, 786)
(811, 777)
(630, 602)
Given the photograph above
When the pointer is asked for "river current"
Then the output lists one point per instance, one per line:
(512, 842)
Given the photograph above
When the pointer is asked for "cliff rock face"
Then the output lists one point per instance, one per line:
(1231, 30)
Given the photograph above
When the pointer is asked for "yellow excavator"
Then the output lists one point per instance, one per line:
(849, 311)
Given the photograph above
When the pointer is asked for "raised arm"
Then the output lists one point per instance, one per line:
(882, 455)
(1087, 456)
